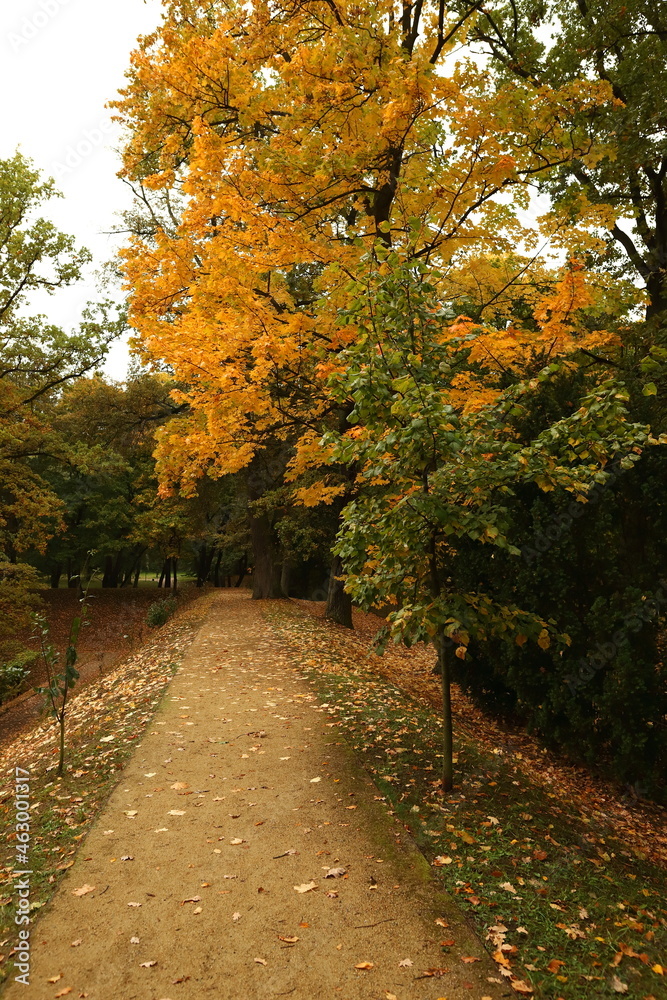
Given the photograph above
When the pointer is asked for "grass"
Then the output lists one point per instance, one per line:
(563, 907)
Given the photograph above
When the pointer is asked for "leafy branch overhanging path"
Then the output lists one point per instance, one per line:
(246, 853)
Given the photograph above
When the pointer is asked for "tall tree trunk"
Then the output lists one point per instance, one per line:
(162, 575)
(216, 571)
(241, 569)
(174, 563)
(266, 572)
(339, 604)
(285, 571)
(167, 574)
(56, 573)
(137, 574)
(108, 572)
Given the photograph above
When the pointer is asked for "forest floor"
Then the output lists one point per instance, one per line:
(558, 880)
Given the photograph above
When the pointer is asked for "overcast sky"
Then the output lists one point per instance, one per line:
(60, 62)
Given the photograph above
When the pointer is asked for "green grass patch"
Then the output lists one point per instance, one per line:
(561, 904)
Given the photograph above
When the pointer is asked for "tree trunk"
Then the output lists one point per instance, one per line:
(285, 578)
(266, 573)
(444, 656)
(174, 563)
(137, 574)
(216, 569)
(241, 569)
(162, 574)
(56, 573)
(110, 578)
(339, 604)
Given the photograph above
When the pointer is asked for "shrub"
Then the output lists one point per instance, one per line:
(161, 611)
(13, 674)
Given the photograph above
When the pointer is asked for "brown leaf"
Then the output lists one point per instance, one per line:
(335, 872)
(260, 961)
(364, 965)
(84, 890)
(617, 986)
(519, 986)
(469, 959)
(63, 993)
(555, 965)
(287, 939)
(55, 979)
(306, 887)
(540, 855)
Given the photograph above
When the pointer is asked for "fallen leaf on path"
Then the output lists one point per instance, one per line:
(306, 887)
(147, 965)
(434, 973)
(261, 961)
(130, 813)
(63, 993)
(84, 890)
(191, 899)
(134, 940)
(335, 873)
(287, 939)
(441, 922)
(519, 986)
(151, 774)
(179, 784)
(405, 963)
(198, 909)
(617, 986)
(314, 781)
(469, 959)
(236, 916)
(236, 841)
(55, 979)
(134, 904)
(442, 860)
(127, 857)
(364, 965)
(75, 944)
(176, 812)
(390, 996)
(332, 894)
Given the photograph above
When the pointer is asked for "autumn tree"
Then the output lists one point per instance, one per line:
(438, 479)
(271, 145)
(36, 360)
(622, 193)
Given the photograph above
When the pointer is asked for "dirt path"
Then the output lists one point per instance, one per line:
(193, 904)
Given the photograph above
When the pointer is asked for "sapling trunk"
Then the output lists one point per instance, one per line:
(444, 653)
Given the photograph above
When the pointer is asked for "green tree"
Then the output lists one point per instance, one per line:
(437, 480)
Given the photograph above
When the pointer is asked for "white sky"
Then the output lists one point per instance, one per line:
(60, 62)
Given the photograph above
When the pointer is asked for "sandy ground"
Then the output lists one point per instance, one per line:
(240, 792)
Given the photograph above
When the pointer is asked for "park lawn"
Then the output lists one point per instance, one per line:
(568, 911)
